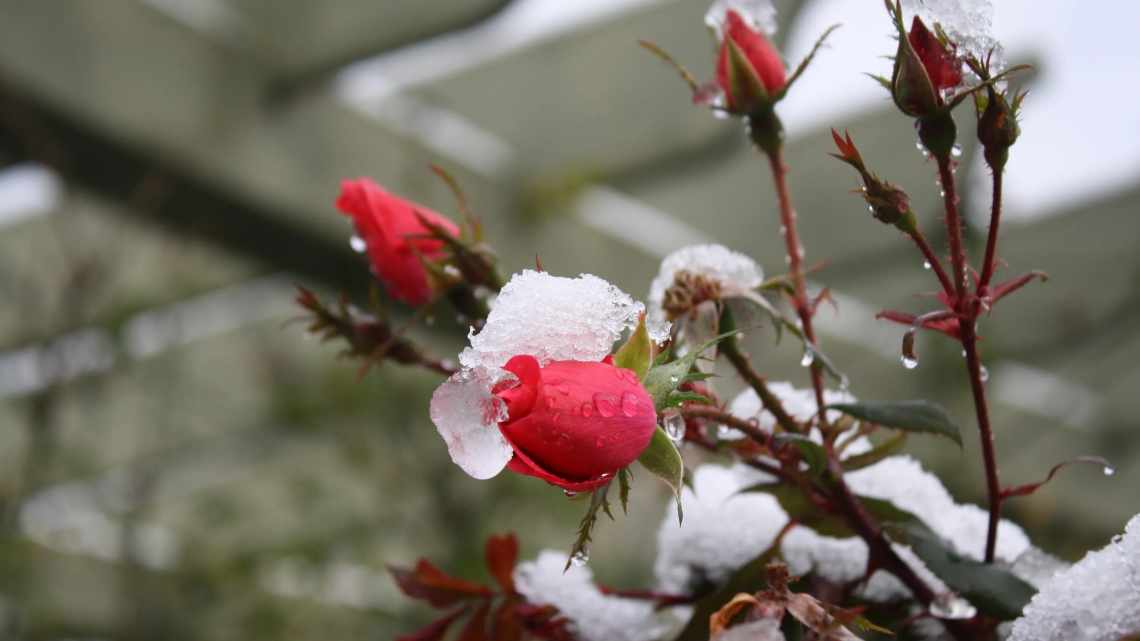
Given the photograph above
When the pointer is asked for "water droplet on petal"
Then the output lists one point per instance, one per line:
(1109, 470)
(674, 425)
(926, 264)
(357, 244)
(909, 362)
(580, 558)
(952, 606)
(587, 409)
(629, 404)
(606, 404)
(808, 358)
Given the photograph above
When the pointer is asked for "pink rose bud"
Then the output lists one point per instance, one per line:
(395, 238)
(750, 79)
(943, 68)
(574, 423)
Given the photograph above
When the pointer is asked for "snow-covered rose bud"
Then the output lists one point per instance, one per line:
(574, 423)
(395, 237)
(748, 68)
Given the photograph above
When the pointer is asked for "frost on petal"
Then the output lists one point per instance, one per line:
(1097, 599)
(759, 14)
(467, 416)
(722, 529)
(715, 262)
(552, 318)
(594, 616)
(968, 23)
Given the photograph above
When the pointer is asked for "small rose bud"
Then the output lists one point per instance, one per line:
(748, 68)
(997, 125)
(924, 68)
(395, 237)
(888, 203)
(574, 423)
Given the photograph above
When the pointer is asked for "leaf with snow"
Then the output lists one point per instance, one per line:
(910, 416)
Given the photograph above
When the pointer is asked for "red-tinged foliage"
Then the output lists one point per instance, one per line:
(502, 552)
(435, 630)
(507, 625)
(476, 628)
(428, 583)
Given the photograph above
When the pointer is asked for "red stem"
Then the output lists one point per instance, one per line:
(990, 261)
(795, 266)
(967, 308)
(933, 261)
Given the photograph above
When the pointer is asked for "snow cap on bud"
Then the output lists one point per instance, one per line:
(748, 68)
(924, 67)
(888, 203)
(574, 424)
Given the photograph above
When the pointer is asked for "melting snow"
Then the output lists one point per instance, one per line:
(759, 14)
(552, 318)
(467, 416)
(594, 616)
(1097, 599)
(967, 22)
(733, 270)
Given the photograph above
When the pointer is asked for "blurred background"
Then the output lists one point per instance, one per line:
(176, 462)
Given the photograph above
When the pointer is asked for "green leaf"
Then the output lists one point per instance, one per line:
(876, 454)
(811, 452)
(662, 458)
(749, 578)
(909, 416)
(799, 507)
(662, 380)
(677, 399)
(598, 502)
(625, 478)
(637, 353)
(993, 590)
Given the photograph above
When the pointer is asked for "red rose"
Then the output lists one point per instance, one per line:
(394, 237)
(762, 63)
(574, 423)
(943, 68)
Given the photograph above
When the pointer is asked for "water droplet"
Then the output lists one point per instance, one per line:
(956, 150)
(580, 558)
(922, 149)
(569, 493)
(942, 193)
(871, 208)
(357, 244)
(606, 404)
(844, 383)
(452, 271)
(808, 358)
(952, 606)
(587, 409)
(783, 230)
(983, 373)
(674, 425)
(629, 404)
(725, 433)
(963, 353)
(909, 362)
(1109, 470)
(926, 264)
(674, 380)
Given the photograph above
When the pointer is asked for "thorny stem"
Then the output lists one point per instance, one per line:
(758, 383)
(967, 308)
(795, 265)
(932, 260)
(989, 263)
(720, 416)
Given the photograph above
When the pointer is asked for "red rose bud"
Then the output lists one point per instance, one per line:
(997, 125)
(748, 69)
(924, 68)
(574, 423)
(395, 237)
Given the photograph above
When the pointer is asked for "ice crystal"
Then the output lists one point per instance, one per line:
(969, 23)
(1097, 599)
(467, 416)
(552, 318)
(594, 616)
(759, 14)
